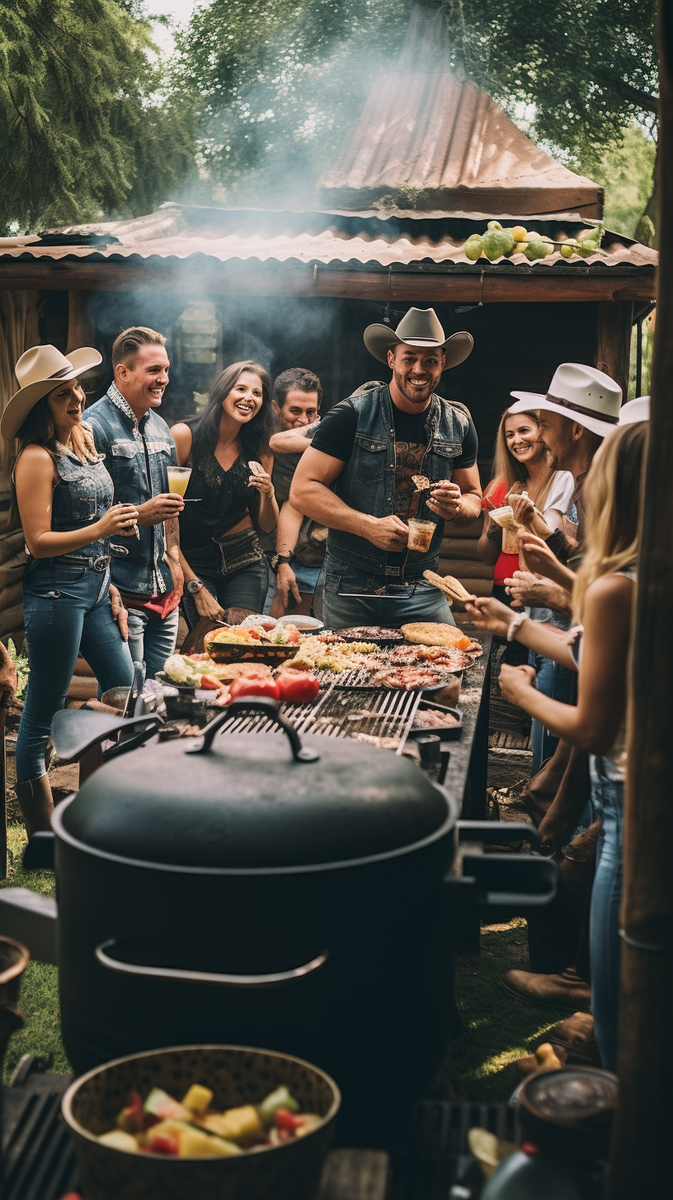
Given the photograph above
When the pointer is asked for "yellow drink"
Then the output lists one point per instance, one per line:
(178, 478)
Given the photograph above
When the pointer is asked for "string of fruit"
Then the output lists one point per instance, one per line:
(503, 243)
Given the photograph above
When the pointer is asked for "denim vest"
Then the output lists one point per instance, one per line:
(124, 442)
(367, 482)
(82, 495)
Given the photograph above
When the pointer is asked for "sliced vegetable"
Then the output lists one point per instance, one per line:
(284, 1119)
(254, 685)
(116, 1139)
(281, 1098)
(161, 1105)
(297, 687)
(198, 1099)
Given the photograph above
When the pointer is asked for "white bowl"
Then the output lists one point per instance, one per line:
(302, 622)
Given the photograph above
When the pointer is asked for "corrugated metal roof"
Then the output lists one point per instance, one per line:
(180, 232)
(450, 143)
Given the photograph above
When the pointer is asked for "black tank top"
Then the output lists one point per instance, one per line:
(225, 498)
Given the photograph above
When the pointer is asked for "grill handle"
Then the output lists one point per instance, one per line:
(183, 975)
(260, 704)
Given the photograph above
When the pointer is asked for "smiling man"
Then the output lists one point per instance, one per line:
(138, 449)
(358, 478)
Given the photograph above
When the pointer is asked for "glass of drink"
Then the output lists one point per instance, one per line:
(420, 534)
(178, 478)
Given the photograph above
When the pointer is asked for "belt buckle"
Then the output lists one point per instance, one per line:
(101, 563)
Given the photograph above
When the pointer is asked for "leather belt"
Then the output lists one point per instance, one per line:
(100, 564)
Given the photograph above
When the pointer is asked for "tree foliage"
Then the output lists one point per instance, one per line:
(85, 128)
(279, 83)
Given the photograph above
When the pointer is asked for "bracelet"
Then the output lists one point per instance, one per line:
(516, 623)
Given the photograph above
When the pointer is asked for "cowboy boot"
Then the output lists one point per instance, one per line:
(575, 1038)
(565, 990)
(36, 803)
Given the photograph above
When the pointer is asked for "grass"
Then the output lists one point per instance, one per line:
(498, 1028)
(41, 1034)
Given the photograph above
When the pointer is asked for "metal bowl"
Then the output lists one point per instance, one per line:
(237, 1075)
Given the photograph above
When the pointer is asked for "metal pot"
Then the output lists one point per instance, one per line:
(304, 896)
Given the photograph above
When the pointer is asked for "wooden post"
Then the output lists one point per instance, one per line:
(613, 342)
(641, 1153)
(80, 329)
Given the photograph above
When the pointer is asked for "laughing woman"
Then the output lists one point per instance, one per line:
(231, 492)
(64, 496)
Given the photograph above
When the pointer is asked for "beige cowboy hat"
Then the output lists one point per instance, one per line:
(419, 327)
(580, 393)
(39, 371)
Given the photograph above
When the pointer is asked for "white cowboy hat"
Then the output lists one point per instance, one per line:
(39, 371)
(635, 410)
(419, 327)
(580, 393)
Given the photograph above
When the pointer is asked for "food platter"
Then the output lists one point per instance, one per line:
(449, 732)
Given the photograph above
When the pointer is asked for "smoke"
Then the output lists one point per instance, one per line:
(270, 127)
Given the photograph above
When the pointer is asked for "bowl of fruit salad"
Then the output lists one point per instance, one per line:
(206, 1122)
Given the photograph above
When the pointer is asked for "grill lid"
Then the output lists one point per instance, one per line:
(251, 801)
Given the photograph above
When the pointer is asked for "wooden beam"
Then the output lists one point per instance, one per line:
(80, 329)
(640, 1162)
(613, 342)
(201, 275)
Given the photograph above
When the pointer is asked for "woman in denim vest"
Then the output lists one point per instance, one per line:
(65, 501)
(229, 492)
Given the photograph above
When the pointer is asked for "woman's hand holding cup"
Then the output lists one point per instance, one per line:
(119, 521)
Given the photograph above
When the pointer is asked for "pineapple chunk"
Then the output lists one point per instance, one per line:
(236, 1124)
(196, 1144)
(118, 1140)
(198, 1099)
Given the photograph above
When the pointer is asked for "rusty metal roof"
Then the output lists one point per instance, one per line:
(352, 239)
(453, 148)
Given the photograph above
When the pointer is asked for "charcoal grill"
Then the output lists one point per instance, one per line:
(392, 712)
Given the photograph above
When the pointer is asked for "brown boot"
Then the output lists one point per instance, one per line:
(566, 990)
(36, 802)
(575, 1035)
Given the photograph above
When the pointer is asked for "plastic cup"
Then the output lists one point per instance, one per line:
(178, 478)
(420, 534)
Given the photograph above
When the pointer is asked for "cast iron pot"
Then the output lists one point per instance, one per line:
(251, 889)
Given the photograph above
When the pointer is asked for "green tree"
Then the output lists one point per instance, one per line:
(85, 127)
(625, 168)
(279, 83)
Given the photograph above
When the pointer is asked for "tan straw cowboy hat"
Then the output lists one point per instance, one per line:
(39, 371)
(419, 327)
(580, 393)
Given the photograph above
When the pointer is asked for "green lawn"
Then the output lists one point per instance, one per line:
(497, 1031)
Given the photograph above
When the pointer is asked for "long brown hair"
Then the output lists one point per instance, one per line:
(38, 429)
(507, 467)
(254, 435)
(613, 495)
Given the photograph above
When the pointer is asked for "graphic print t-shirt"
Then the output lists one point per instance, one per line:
(336, 436)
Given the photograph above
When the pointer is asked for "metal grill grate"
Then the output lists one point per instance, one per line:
(390, 712)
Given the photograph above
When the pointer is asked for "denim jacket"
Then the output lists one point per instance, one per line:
(137, 455)
(367, 482)
(82, 495)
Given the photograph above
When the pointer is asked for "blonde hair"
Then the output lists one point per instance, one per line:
(507, 467)
(612, 494)
(127, 344)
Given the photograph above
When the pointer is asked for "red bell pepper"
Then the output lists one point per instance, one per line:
(297, 687)
(254, 685)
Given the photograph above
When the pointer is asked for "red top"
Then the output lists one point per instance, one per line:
(506, 564)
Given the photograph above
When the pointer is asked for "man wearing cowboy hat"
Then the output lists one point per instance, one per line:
(358, 478)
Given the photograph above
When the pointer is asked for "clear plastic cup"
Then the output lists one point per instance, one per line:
(420, 534)
(178, 478)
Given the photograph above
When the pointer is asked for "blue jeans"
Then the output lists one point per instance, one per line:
(242, 589)
(554, 681)
(66, 608)
(151, 639)
(307, 579)
(607, 799)
(415, 601)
